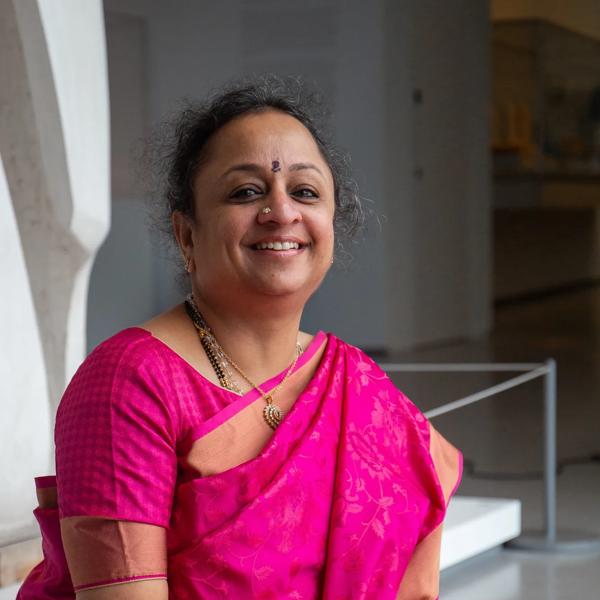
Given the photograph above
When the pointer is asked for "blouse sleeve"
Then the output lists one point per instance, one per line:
(116, 466)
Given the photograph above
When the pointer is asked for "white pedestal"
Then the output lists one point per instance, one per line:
(475, 525)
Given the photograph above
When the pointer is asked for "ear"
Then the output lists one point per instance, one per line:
(182, 229)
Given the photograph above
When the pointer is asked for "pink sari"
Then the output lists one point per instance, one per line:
(344, 501)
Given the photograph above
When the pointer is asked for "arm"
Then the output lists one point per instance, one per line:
(116, 469)
(138, 590)
(421, 580)
(105, 555)
(422, 576)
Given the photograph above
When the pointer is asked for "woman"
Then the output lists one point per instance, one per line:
(217, 451)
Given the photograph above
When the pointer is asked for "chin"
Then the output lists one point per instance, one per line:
(281, 288)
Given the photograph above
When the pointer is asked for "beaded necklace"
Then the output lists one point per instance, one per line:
(220, 362)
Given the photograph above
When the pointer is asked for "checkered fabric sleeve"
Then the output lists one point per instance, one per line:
(115, 435)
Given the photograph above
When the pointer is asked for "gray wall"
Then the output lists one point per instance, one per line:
(421, 273)
(438, 173)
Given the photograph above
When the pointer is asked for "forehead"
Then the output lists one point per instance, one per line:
(264, 136)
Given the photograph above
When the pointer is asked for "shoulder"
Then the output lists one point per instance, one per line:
(133, 342)
(372, 382)
(359, 362)
(126, 373)
(124, 354)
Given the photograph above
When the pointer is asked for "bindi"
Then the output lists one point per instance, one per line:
(275, 166)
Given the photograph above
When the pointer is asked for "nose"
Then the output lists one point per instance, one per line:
(284, 209)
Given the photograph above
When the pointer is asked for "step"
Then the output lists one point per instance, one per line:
(475, 525)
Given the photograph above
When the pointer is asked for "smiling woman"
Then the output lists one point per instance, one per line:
(217, 450)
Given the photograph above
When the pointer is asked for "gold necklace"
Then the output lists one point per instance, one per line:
(271, 412)
(213, 350)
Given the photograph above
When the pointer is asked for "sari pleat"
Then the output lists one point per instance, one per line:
(387, 496)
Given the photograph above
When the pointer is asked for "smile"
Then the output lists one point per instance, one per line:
(277, 246)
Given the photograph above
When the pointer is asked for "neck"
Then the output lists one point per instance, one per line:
(262, 343)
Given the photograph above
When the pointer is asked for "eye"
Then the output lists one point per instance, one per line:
(246, 193)
(306, 194)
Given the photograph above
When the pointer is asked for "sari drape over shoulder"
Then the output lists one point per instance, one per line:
(182, 480)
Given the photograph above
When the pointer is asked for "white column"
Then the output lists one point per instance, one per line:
(54, 214)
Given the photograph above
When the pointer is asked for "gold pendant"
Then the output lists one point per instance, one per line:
(272, 414)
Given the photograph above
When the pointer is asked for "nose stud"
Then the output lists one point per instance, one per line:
(265, 211)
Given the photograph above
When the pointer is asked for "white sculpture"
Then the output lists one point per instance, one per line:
(25, 434)
(54, 214)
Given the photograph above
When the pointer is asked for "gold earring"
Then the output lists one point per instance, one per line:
(187, 263)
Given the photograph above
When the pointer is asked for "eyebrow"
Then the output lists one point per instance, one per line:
(255, 168)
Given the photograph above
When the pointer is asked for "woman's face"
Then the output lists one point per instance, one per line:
(257, 161)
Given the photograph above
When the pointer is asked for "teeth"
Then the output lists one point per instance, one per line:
(278, 246)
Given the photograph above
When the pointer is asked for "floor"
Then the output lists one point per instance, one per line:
(502, 440)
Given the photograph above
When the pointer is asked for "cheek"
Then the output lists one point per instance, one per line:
(326, 227)
(223, 229)
(325, 240)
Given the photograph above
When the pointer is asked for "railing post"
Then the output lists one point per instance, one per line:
(550, 450)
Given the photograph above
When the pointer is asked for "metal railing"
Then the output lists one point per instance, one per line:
(549, 541)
